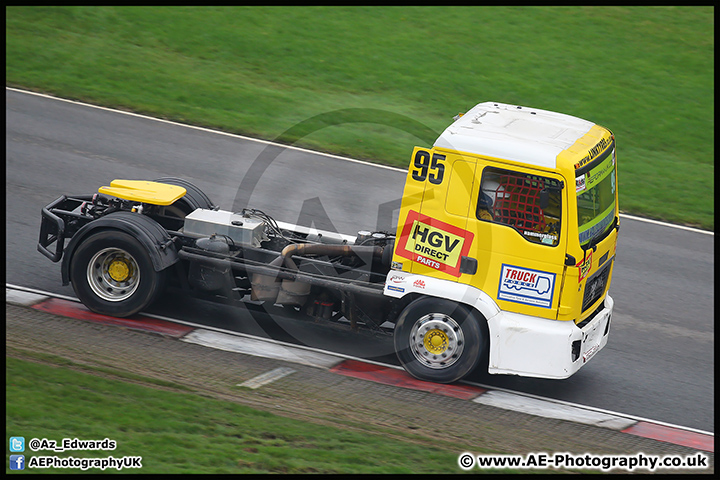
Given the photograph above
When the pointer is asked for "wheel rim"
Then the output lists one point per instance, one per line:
(113, 274)
(437, 341)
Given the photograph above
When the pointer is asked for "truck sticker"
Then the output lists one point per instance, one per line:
(584, 267)
(433, 243)
(526, 286)
(598, 173)
(591, 351)
(593, 152)
(580, 184)
(546, 238)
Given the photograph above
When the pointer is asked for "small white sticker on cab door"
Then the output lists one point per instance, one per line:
(526, 286)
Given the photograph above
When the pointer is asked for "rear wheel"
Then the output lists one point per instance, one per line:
(193, 199)
(438, 340)
(171, 216)
(112, 274)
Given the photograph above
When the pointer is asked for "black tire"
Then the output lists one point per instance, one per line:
(438, 340)
(112, 274)
(192, 200)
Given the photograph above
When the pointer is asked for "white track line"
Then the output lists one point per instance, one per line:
(266, 378)
(544, 408)
(267, 142)
(21, 297)
(664, 224)
(41, 292)
(207, 130)
(258, 347)
(586, 407)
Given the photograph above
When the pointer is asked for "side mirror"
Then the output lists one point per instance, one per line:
(544, 198)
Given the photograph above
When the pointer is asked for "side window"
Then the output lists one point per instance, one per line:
(531, 204)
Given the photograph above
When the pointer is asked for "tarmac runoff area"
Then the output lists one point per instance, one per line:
(324, 387)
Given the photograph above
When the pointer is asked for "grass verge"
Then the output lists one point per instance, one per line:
(176, 432)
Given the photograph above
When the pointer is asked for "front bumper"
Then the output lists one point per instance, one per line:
(538, 347)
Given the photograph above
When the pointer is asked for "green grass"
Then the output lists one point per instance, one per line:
(647, 73)
(176, 432)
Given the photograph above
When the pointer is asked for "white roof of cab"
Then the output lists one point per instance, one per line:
(511, 132)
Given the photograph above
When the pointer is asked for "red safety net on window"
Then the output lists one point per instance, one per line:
(517, 203)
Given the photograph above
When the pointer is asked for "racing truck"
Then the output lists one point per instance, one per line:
(497, 261)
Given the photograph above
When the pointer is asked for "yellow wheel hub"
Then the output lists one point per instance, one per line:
(435, 341)
(119, 270)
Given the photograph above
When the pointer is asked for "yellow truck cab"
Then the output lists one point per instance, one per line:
(513, 214)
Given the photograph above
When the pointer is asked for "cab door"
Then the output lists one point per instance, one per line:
(432, 236)
(517, 218)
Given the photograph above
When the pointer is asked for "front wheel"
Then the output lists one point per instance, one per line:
(113, 274)
(438, 340)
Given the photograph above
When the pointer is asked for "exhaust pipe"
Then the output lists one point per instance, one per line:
(291, 292)
(321, 249)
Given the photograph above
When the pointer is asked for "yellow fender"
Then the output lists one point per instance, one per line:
(144, 191)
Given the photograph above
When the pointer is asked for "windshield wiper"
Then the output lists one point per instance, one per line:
(599, 236)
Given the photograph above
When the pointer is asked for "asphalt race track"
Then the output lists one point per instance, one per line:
(658, 363)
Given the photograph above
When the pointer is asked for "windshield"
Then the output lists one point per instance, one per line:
(595, 191)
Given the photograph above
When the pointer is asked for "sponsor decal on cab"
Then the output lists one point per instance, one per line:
(526, 286)
(580, 184)
(436, 244)
(584, 267)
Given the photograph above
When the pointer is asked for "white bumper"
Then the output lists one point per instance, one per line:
(519, 344)
(538, 347)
